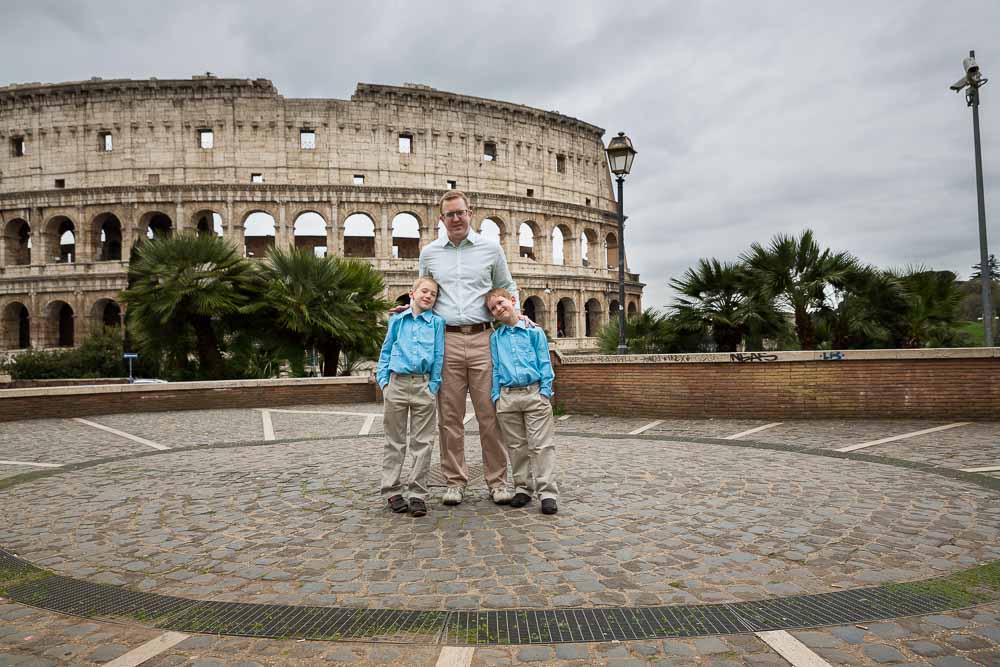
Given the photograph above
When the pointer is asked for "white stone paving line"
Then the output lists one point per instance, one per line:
(564, 418)
(369, 422)
(468, 417)
(28, 463)
(149, 650)
(791, 649)
(265, 417)
(985, 469)
(753, 430)
(455, 656)
(135, 438)
(325, 412)
(851, 448)
(646, 427)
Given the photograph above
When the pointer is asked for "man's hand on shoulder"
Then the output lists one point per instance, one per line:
(527, 321)
(398, 309)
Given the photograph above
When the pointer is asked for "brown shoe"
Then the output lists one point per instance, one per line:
(418, 507)
(397, 504)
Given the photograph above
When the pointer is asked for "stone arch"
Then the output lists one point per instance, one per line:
(60, 234)
(594, 317)
(534, 310)
(611, 243)
(105, 313)
(494, 228)
(403, 299)
(59, 326)
(259, 232)
(206, 221)
(17, 242)
(106, 235)
(528, 240)
(405, 228)
(566, 318)
(613, 310)
(156, 225)
(359, 235)
(633, 309)
(16, 326)
(561, 252)
(309, 231)
(589, 248)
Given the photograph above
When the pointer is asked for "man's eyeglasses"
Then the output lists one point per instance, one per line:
(455, 215)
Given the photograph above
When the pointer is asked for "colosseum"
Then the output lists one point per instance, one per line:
(91, 167)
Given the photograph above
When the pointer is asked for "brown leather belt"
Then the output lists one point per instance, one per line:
(468, 328)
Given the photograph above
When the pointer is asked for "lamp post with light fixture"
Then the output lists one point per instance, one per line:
(620, 155)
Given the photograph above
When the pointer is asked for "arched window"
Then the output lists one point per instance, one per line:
(406, 236)
(566, 318)
(612, 243)
(157, 225)
(594, 320)
(526, 242)
(17, 235)
(558, 256)
(309, 231)
(359, 236)
(107, 234)
(258, 234)
(491, 230)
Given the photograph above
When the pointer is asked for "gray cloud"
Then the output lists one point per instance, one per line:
(750, 118)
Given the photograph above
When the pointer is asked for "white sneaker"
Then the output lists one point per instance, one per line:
(501, 495)
(453, 495)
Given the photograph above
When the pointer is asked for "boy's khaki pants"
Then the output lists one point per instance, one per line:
(407, 395)
(525, 418)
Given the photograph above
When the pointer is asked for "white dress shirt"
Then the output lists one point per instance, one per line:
(465, 273)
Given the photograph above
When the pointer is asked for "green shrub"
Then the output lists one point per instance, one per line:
(99, 355)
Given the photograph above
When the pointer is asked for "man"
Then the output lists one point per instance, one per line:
(466, 265)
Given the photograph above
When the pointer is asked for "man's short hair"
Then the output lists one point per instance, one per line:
(495, 292)
(423, 279)
(454, 194)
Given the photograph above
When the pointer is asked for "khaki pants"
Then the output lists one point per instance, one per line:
(407, 396)
(526, 421)
(468, 369)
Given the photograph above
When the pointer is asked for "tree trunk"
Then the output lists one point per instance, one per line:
(804, 329)
(330, 349)
(208, 346)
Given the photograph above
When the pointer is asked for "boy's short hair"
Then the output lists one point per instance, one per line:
(497, 291)
(424, 279)
(454, 194)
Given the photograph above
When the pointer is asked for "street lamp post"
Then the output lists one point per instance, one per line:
(620, 156)
(974, 80)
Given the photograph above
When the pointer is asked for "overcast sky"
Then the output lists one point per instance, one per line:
(750, 118)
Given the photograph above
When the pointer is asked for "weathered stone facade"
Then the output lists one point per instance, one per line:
(88, 168)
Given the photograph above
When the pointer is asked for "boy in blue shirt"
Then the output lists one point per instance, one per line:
(409, 372)
(522, 393)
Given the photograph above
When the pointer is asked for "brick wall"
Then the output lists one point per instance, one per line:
(63, 402)
(859, 384)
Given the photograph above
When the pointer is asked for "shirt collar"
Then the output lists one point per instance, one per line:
(472, 238)
(521, 324)
(424, 315)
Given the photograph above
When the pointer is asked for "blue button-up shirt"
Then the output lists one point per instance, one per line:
(520, 357)
(464, 274)
(414, 344)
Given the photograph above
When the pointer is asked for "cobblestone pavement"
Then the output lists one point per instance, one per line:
(642, 522)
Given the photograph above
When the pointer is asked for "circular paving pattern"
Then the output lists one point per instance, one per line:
(642, 522)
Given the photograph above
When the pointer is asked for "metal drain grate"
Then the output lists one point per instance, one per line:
(548, 626)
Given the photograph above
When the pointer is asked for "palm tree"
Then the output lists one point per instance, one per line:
(932, 299)
(329, 303)
(798, 274)
(721, 297)
(181, 287)
(865, 308)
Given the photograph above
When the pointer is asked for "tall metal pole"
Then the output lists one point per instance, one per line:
(984, 260)
(622, 347)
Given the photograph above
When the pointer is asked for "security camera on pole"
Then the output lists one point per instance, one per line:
(973, 80)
